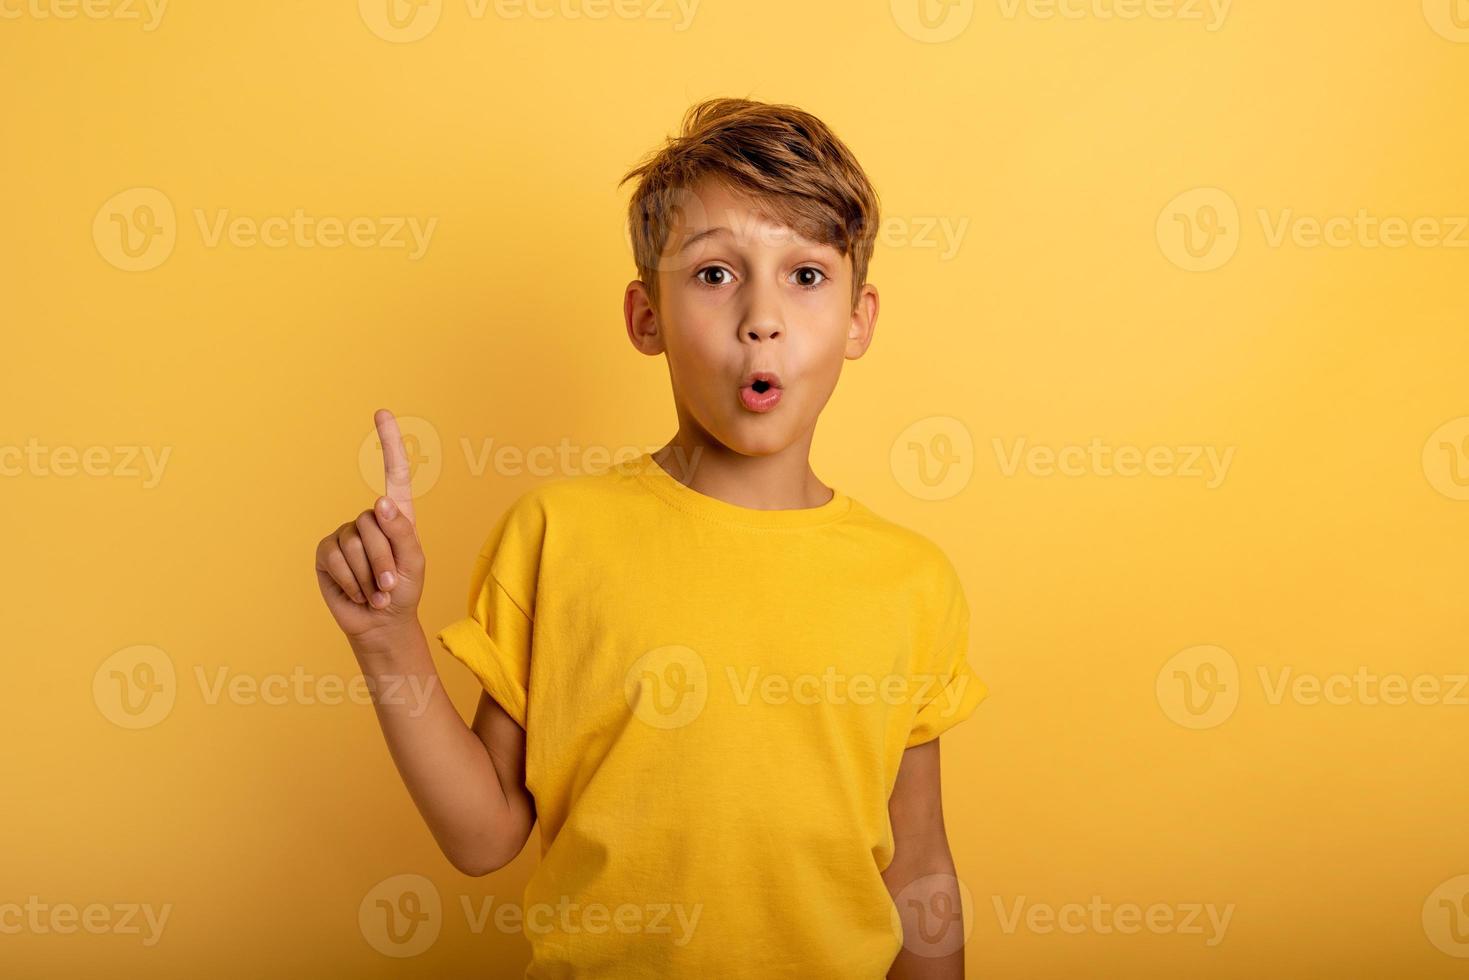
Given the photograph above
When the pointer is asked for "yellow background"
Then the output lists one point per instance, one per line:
(1334, 543)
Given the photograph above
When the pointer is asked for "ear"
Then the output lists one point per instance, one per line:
(641, 319)
(864, 322)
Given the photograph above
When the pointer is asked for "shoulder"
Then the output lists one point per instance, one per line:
(916, 572)
(521, 536)
(909, 554)
(561, 501)
(565, 495)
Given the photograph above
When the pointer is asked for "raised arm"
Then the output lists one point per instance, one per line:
(468, 783)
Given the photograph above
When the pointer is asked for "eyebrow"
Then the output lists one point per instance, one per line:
(699, 236)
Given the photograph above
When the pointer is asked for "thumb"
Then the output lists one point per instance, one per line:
(401, 533)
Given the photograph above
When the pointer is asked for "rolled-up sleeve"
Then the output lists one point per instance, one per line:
(494, 642)
(949, 690)
(495, 636)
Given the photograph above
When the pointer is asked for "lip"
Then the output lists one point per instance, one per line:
(758, 401)
(768, 376)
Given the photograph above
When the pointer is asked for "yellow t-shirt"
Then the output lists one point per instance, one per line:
(716, 699)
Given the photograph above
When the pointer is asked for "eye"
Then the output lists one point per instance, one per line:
(719, 269)
(812, 270)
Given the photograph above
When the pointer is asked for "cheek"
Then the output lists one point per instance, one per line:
(697, 357)
(694, 315)
(829, 340)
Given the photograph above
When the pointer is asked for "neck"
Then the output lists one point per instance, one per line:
(782, 480)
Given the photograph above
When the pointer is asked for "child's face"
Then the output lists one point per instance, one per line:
(740, 294)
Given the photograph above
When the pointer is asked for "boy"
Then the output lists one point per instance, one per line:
(716, 682)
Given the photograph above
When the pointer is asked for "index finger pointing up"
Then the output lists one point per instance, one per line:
(397, 484)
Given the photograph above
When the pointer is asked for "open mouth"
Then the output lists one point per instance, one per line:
(761, 391)
(762, 381)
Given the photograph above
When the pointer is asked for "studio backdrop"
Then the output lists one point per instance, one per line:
(1170, 360)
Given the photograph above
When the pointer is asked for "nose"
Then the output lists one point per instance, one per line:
(762, 320)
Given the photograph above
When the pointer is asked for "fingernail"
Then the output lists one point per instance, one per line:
(385, 507)
(385, 580)
(379, 599)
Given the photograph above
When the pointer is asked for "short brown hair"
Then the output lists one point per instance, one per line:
(782, 156)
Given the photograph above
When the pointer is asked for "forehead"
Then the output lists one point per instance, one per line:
(713, 211)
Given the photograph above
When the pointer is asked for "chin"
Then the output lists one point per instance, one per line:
(757, 437)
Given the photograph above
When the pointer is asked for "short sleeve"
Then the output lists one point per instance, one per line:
(494, 639)
(948, 689)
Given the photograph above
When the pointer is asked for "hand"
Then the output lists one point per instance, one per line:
(371, 569)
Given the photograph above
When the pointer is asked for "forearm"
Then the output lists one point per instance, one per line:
(925, 889)
(447, 769)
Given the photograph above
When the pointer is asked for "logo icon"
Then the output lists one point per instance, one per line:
(928, 902)
(1199, 687)
(682, 212)
(401, 916)
(425, 456)
(136, 230)
(1446, 459)
(933, 459)
(933, 21)
(1446, 916)
(1199, 230)
(1449, 18)
(667, 687)
(135, 687)
(401, 21)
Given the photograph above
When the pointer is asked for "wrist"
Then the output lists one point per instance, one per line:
(385, 642)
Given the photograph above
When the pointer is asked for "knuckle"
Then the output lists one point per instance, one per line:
(346, 581)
